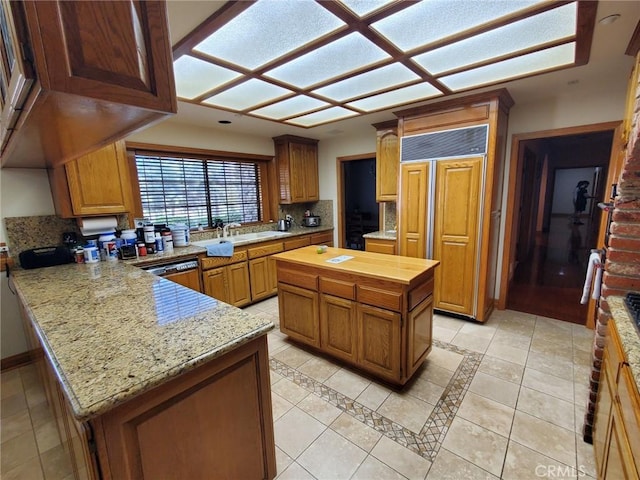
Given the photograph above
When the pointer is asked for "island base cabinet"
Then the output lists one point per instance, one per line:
(379, 341)
(213, 422)
(299, 313)
(338, 325)
(420, 326)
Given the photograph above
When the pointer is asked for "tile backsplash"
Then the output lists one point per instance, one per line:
(321, 208)
(24, 233)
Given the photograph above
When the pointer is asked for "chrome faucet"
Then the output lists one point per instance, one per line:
(225, 229)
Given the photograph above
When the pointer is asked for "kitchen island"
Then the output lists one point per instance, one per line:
(371, 310)
(147, 378)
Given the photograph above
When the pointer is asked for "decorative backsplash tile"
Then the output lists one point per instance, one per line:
(390, 216)
(321, 208)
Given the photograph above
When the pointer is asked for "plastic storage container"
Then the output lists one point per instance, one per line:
(129, 237)
(180, 235)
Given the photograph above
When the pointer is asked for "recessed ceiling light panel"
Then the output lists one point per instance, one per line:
(267, 30)
(376, 80)
(247, 94)
(323, 116)
(365, 7)
(429, 21)
(290, 107)
(546, 27)
(345, 55)
(400, 96)
(516, 67)
(195, 77)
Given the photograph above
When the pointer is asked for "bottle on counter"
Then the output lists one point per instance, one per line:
(167, 241)
(142, 249)
(159, 244)
(149, 234)
(129, 237)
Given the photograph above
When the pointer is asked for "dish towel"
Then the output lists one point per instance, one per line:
(594, 264)
(222, 249)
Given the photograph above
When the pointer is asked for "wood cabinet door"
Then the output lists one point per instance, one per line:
(272, 277)
(238, 284)
(113, 51)
(379, 341)
(619, 463)
(259, 275)
(310, 173)
(456, 232)
(338, 327)
(387, 162)
(413, 210)
(299, 313)
(99, 183)
(215, 283)
(419, 334)
(606, 394)
(380, 246)
(630, 410)
(189, 279)
(297, 165)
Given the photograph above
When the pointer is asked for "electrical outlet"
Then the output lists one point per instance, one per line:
(4, 249)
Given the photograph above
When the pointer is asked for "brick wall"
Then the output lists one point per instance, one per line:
(622, 268)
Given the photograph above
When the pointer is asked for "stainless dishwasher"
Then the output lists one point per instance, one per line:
(185, 273)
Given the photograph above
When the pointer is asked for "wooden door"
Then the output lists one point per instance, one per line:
(238, 284)
(297, 168)
(272, 275)
(619, 462)
(189, 279)
(379, 341)
(387, 161)
(259, 275)
(603, 409)
(310, 172)
(114, 51)
(456, 232)
(215, 283)
(419, 325)
(413, 209)
(299, 313)
(338, 327)
(99, 183)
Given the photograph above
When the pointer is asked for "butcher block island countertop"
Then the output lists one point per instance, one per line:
(371, 310)
(135, 364)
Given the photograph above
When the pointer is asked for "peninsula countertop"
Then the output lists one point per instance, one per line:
(400, 269)
(112, 331)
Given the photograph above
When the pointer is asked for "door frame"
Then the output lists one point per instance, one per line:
(513, 195)
(340, 176)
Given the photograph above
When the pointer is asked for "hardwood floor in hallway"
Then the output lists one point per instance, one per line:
(550, 281)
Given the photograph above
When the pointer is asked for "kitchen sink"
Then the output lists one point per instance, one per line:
(244, 237)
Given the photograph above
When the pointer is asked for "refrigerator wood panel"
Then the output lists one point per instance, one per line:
(456, 230)
(413, 209)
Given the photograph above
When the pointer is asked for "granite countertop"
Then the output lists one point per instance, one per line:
(113, 331)
(382, 235)
(628, 335)
(395, 268)
(192, 251)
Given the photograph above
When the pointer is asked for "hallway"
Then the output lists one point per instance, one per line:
(550, 281)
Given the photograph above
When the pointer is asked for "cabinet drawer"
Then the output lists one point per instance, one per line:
(417, 295)
(320, 238)
(212, 262)
(380, 246)
(380, 298)
(339, 288)
(297, 243)
(263, 250)
(297, 278)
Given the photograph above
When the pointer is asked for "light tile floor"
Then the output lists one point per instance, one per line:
(501, 400)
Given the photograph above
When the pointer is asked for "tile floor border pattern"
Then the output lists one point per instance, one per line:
(425, 443)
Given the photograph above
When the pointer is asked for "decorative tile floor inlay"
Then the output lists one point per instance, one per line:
(428, 440)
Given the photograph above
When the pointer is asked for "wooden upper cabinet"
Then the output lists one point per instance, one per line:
(103, 70)
(387, 161)
(297, 165)
(96, 184)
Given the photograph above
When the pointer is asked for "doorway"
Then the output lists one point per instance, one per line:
(358, 211)
(548, 240)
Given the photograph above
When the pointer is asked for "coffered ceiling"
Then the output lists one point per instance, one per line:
(304, 64)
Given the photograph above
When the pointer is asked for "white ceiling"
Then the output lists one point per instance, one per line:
(608, 68)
